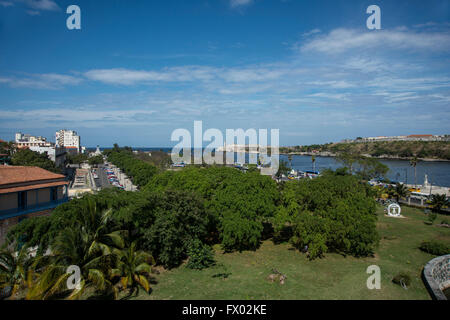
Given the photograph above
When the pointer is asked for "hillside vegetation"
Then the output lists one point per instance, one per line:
(401, 149)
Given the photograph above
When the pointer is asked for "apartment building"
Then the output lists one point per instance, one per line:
(27, 140)
(68, 139)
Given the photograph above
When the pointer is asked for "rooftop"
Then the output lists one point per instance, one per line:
(19, 174)
(419, 135)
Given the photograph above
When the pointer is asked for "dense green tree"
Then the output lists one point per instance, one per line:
(229, 194)
(201, 255)
(348, 160)
(26, 157)
(331, 213)
(95, 160)
(370, 168)
(7, 149)
(78, 158)
(140, 171)
(179, 218)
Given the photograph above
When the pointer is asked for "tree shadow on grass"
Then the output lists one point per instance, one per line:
(223, 273)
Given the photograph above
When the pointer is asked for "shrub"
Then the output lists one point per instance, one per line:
(431, 217)
(201, 256)
(402, 279)
(434, 247)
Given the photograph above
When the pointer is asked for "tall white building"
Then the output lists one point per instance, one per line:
(68, 139)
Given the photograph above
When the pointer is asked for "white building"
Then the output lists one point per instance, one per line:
(68, 139)
(27, 140)
(56, 154)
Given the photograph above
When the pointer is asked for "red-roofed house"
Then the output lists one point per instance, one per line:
(420, 137)
(28, 192)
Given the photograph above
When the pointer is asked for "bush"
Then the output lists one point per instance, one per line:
(434, 247)
(402, 279)
(431, 217)
(201, 256)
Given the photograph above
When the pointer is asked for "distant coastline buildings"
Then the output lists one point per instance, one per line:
(411, 137)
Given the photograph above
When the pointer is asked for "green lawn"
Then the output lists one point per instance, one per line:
(332, 277)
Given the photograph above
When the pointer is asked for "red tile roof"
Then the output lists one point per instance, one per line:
(34, 187)
(420, 135)
(19, 174)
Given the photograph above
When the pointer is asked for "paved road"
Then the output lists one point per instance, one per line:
(102, 181)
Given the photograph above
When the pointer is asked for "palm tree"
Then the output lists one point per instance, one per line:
(290, 160)
(313, 160)
(400, 191)
(413, 162)
(16, 270)
(439, 201)
(133, 268)
(76, 247)
(91, 247)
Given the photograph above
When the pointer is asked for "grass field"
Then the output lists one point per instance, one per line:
(244, 275)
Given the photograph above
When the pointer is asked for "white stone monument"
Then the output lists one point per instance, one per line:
(394, 210)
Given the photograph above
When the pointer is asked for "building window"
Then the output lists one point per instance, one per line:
(53, 194)
(22, 200)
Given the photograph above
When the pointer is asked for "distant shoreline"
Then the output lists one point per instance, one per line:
(318, 154)
(333, 155)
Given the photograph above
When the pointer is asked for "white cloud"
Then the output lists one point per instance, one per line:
(128, 77)
(41, 81)
(6, 4)
(343, 40)
(47, 5)
(33, 13)
(240, 3)
(35, 5)
(310, 33)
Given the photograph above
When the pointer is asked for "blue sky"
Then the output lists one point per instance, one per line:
(137, 70)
